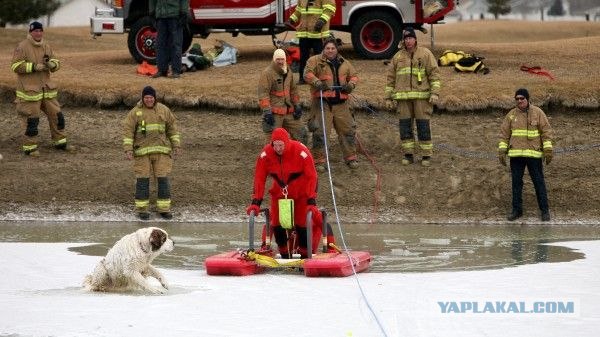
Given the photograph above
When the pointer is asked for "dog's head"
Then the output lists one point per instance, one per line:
(155, 239)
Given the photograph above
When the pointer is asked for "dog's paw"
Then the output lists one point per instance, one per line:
(158, 291)
(164, 284)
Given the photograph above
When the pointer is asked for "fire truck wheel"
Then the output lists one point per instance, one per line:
(376, 34)
(141, 40)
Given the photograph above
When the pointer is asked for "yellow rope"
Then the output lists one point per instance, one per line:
(332, 245)
(269, 262)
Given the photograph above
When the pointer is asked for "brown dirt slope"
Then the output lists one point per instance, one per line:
(214, 174)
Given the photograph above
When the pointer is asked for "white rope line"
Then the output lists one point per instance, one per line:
(337, 220)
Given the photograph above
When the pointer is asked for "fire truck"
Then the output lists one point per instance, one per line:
(375, 25)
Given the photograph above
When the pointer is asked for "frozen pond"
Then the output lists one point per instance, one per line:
(395, 248)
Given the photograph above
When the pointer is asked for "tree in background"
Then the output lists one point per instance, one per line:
(21, 11)
(498, 7)
(557, 8)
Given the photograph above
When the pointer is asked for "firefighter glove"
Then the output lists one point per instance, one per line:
(548, 156)
(253, 208)
(40, 67)
(390, 104)
(320, 85)
(268, 117)
(290, 22)
(434, 98)
(502, 157)
(297, 111)
(319, 25)
(348, 87)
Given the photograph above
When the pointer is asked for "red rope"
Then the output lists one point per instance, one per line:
(537, 70)
(377, 182)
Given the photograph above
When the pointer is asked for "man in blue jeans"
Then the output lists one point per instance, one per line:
(171, 16)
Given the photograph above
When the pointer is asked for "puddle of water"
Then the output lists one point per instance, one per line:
(395, 248)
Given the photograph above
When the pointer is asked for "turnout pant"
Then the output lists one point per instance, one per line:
(158, 165)
(536, 172)
(417, 111)
(338, 116)
(29, 115)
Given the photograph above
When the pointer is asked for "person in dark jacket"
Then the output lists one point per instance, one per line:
(171, 17)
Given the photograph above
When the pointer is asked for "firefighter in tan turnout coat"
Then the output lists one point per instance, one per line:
(33, 61)
(279, 100)
(151, 138)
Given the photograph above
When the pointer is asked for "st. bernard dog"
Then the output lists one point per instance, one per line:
(128, 263)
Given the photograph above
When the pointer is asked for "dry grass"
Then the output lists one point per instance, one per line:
(101, 72)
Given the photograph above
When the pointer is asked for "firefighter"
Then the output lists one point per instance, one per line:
(412, 88)
(34, 61)
(278, 99)
(526, 137)
(290, 164)
(312, 18)
(332, 79)
(151, 140)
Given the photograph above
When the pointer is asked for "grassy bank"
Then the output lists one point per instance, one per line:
(101, 73)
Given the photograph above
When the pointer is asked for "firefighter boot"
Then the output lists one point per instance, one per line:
(142, 196)
(163, 202)
(514, 215)
(545, 216)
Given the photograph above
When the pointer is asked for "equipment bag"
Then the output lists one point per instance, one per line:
(450, 57)
(286, 213)
(471, 64)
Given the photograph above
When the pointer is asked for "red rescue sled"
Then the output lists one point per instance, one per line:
(340, 264)
(231, 263)
(320, 265)
(337, 264)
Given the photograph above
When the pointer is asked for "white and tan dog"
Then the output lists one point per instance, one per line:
(128, 263)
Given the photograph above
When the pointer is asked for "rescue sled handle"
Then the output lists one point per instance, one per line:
(309, 234)
(251, 231)
(324, 231)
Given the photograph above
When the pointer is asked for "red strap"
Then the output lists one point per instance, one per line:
(537, 70)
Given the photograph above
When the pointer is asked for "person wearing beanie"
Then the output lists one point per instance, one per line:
(290, 165)
(151, 139)
(526, 138)
(412, 89)
(332, 79)
(171, 16)
(279, 100)
(311, 19)
(34, 63)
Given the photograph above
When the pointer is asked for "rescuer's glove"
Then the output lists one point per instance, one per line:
(290, 22)
(348, 87)
(390, 104)
(319, 25)
(40, 67)
(317, 217)
(254, 207)
(502, 157)
(268, 117)
(297, 111)
(320, 85)
(548, 156)
(433, 99)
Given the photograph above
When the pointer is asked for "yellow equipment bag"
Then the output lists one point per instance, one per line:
(286, 213)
